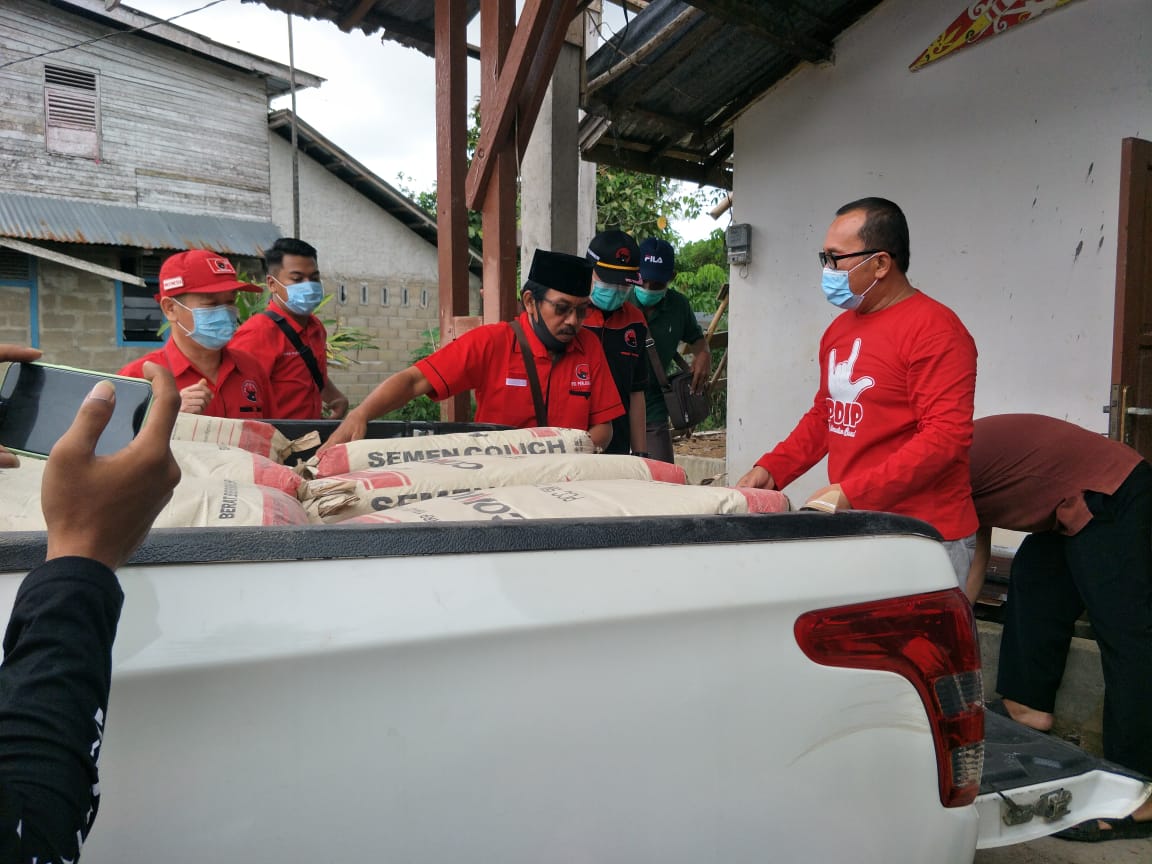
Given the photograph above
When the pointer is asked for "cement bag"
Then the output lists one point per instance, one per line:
(333, 499)
(389, 452)
(216, 460)
(20, 496)
(214, 502)
(254, 436)
(583, 499)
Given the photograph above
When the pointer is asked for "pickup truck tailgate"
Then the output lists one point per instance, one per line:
(1035, 784)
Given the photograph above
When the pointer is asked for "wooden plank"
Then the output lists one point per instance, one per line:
(497, 24)
(451, 146)
(540, 75)
(513, 72)
(70, 261)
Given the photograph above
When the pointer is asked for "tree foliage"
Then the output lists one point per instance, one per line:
(643, 205)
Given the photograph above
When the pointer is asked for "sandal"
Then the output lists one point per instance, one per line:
(1120, 829)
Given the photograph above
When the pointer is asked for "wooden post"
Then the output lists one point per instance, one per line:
(497, 23)
(451, 146)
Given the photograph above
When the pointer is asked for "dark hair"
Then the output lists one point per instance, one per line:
(538, 291)
(884, 228)
(274, 255)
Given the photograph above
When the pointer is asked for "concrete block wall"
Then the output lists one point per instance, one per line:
(14, 317)
(399, 329)
(78, 314)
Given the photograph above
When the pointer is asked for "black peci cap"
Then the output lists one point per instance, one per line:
(568, 274)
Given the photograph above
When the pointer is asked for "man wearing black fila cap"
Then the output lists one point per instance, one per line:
(575, 382)
(622, 331)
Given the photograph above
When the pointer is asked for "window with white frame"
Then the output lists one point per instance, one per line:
(71, 111)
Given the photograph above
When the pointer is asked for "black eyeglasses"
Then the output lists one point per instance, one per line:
(827, 258)
(566, 309)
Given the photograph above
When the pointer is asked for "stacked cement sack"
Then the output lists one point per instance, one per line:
(393, 452)
(251, 435)
(340, 497)
(582, 499)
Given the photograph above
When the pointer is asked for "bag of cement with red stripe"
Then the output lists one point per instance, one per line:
(396, 452)
(217, 502)
(204, 460)
(583, 499)
(334, 499)
(255, 436)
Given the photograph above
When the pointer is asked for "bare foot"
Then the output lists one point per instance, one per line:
(1030, 717)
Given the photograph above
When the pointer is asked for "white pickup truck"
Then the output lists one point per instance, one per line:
(788, 687)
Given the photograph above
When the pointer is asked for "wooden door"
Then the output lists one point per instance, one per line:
(1130, 407)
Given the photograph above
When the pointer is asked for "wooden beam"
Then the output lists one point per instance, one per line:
(451, 146)
(528, 53)
(497, 24)
(543, 65)
(70, 261)
(752, 16)
(637, 157)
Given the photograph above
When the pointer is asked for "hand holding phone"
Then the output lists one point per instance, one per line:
(103, 508)
(38, 403)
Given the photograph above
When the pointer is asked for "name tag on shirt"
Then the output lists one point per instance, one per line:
(515, 382)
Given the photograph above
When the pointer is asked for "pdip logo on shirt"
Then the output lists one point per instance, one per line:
(844, 409)
(248, 388)
(630, 338)
(583, 376)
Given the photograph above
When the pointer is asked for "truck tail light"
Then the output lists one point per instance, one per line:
(930, 639)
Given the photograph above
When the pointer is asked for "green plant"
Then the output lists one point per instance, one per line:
(420, 408)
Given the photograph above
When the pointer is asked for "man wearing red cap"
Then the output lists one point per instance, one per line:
(198, 297)
(576, 387)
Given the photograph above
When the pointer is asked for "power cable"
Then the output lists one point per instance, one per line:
(109, 35)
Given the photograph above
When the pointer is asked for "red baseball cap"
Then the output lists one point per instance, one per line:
(199, 271)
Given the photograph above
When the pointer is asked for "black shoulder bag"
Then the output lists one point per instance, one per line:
(685, 408)
(530, 369)
(303, 350)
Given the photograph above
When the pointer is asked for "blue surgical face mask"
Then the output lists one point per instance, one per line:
(212, 326)
(650, 298)
(303, 297)
(608, 298)
(836, 288)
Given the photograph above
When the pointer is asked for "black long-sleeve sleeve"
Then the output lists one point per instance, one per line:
(54, 685)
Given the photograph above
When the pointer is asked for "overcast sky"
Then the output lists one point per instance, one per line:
(378, 99)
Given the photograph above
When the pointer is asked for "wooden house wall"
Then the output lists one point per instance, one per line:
(178, 132)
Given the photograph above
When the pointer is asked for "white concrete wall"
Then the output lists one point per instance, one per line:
(359, 244)
(1005, 157)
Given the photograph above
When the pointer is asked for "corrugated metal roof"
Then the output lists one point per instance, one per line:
(663, 93)
(409, 22)
(32, 217)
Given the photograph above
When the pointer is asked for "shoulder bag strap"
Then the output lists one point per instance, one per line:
(657, 366)
(530, 368)
(303, 350)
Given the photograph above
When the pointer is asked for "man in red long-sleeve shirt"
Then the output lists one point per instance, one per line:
(897, 376)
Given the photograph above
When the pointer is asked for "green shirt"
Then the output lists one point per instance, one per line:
(670, 322)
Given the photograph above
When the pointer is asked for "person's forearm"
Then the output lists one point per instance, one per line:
(637, 416)
(601, 435)
(979, 567)
(393, 392)
(53, 697)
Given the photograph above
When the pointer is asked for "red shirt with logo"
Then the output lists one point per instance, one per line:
(297, 397)
(577, 388)
(242, 390)
(893, 414)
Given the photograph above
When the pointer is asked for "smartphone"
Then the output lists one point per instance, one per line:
(38, 402)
